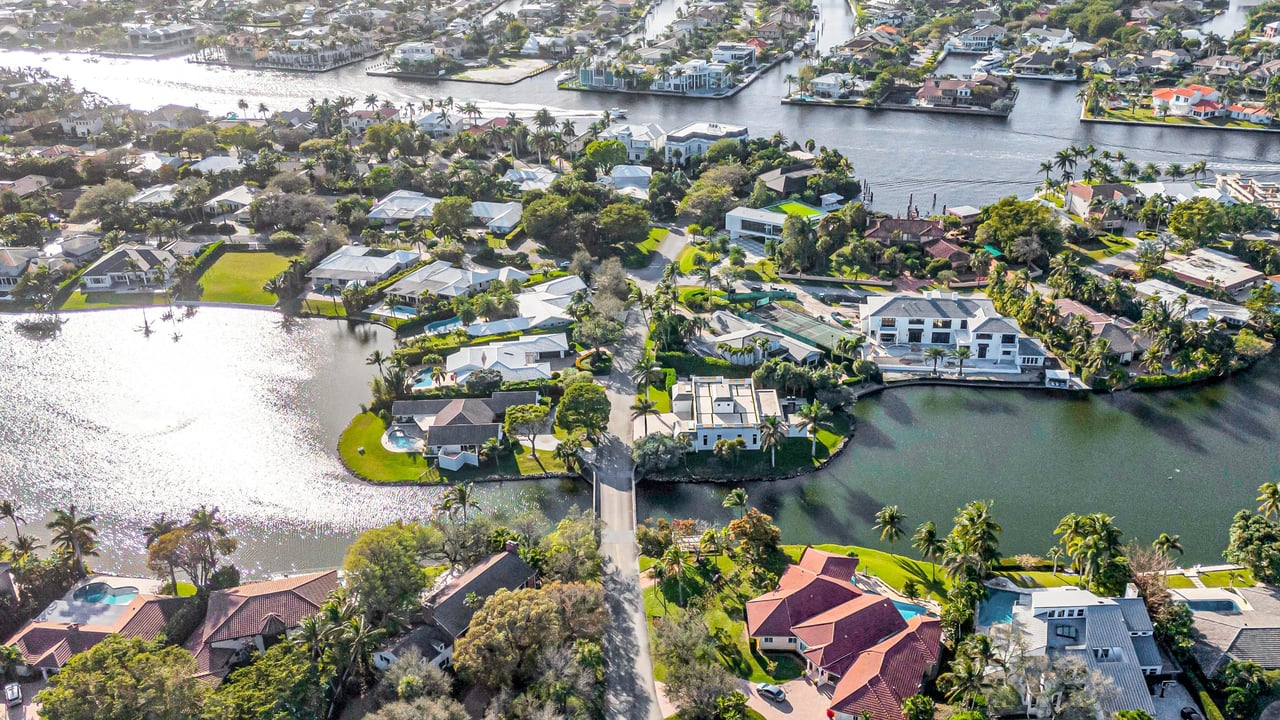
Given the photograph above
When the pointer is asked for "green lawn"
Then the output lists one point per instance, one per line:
(792, 454)
(1104, 246)
(1222, 578)
(325, 308)
(684, 261)
(639, 256)
(1179, 582)
(661, 394)
(895, 570)
(762, 271)
(1036, 578)
(792, 207)
(93, 301)
(377, 464)
(1145, 115)
(238, 277)
(725, 616)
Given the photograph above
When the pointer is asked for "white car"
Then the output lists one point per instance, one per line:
(13, 694)
(772, 692)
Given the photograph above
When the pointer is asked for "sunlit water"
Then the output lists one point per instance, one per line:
(237, 413)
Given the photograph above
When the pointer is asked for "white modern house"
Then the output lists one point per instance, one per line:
(1113, 636)
(360, 264)
(403, 205)
(1209, 269)
(542, 306)
(709, 409)
(900, 327)
(693, 139)
(630, 180)
(693, 76)
(522, 359)
(977, 39)
(731, 52)
(766, 223)
(412, 52)
(639, 139)
(131, 267)
(442, 279)
(440, 124)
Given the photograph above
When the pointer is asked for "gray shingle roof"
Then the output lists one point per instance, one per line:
(505, 570)
(1135, 614)
(921, 307)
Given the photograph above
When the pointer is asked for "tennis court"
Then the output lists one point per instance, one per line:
(801, 326)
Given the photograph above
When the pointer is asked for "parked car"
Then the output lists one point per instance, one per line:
(13, 694)
(565, 265)
(1190, 713)
(773, 692)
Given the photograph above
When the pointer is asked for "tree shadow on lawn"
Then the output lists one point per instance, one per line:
(917, 572)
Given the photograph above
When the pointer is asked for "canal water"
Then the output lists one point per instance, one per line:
(1181, 462)
(238, 413)
(930, 160)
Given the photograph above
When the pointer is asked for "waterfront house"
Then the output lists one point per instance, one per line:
(839, 85)
(530, 178)
(162, 38)
(523, 359)
(245, 620)
(858, 642)
(453, 431)
(1047, 38)
(1102, 201)
(1193, 100)
(439, 124)
(442, 279)
(1182, 191)
(1250, 190)
(542, 306)
(789, 179)
(900, 326)
(893, 232)
(1123, 341)
(1242, 625)
(954, 92)
(752, 342)
(1112, 636)
(710, 409)
(1213, 269)
(1251, 112)
(639, 139)
(629, 180)
(406, 54)
(130, 267)
(731, 52)
(81, 123)
(693, 139)
(14, 263)
(603, 73)
(1198, 309)
(357, 121)
(401, 206)
(360, 264)
(86, 616)
(693, 76)
(451, 606)
(977, 39)
(766, 223)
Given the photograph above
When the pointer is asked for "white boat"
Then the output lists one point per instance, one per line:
(617, 113)
(565, 76)
(991, 60)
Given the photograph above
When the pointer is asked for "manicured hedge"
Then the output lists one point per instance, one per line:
(1151, 382)
(691, 364)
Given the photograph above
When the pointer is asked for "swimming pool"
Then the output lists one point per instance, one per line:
(403, 311)
(1219, 606)
(908, 610)
(424, 380)
(997, 608)
(103, 594)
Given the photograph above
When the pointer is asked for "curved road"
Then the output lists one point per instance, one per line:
(629, 690)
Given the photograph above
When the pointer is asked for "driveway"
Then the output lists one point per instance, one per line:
(1170, 706)
(29, 710)
(803, 701)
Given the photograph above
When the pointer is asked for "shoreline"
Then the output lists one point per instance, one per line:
(746, 82)
(897, 107)
(284, 68)
(373, 71)
(1085, 118)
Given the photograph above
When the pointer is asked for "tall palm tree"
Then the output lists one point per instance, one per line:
(647, 374)
(961, 354)
(814, 417)
(677, 564)
(1168, 544)
(9, 511)
(458, 499)
(376, 358)
(772, 432)
(935, 353)
(643, 408)
(889, 520)
(162, 525)
(927, 542)
(25, 547)
(74, 536)
(1269, 499)
(736, 498)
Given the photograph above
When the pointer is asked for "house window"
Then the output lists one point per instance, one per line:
(888, 338)
(753, 440)
(964, 324)
(940, 338)
(984, 336)
(942, 323)
(705, 440)
(1102, 653)
(1008, 339)
(916, 321)
(888, 322)
(1066, 631)
(791, 641)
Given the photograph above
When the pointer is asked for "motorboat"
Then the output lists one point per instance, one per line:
(990, 61)
(617, 113)
(565, 76)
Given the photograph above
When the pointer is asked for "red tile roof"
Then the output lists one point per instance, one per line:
(257, 609)
(51, 644)
(819, 582)
(882, 677)
(836, 637)
(833, 565)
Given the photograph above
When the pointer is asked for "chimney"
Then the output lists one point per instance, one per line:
(512, 546)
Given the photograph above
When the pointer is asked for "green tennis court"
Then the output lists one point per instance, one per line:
(801, 326)
(794, 207)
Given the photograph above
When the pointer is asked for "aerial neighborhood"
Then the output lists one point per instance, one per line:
(623, 417)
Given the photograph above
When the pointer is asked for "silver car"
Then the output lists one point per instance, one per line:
(772, 692)
(13, 694)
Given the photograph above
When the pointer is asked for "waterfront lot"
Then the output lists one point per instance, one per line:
(238, 278)
(102, 300)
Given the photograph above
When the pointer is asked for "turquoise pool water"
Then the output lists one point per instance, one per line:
(997, 608)
(908, 610)
(104, 594)
(1219, 606)
(401, 310)
(402, 441)
(424, 380)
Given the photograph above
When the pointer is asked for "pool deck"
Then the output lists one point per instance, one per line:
(145, 586)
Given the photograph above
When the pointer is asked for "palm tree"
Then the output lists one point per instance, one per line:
(1055, 554)
(961, 354)
(930, 546)
(676, 564)
(162, 525)
(935, 353)
(814, 417)
(772, 432)
(376, 358)
(458, 498)
(643, 408)
(736, 498)
(889, 521)
(1269, 499)
(74, 536)
(1168, 544)
(648, 373)
(9, 511)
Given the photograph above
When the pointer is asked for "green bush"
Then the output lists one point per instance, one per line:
(690, 364)
(1152, 382)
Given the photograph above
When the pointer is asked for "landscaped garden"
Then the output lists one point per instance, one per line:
(360, 448)
(792, 454)
(238, 277)
(639, 256)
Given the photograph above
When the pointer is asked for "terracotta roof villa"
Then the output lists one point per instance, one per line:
(241, 618)
(85, 618)
(857, 641)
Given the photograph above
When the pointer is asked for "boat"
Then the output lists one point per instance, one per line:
(565, 76)
(617, 113)
(990, 61)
